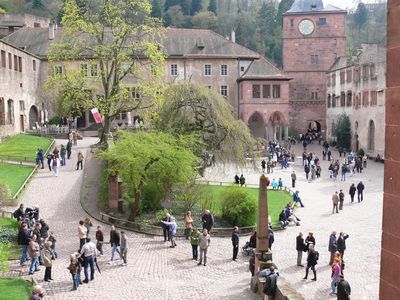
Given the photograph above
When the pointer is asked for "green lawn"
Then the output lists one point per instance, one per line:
(277, 200)
(13, 175)
(23, 147)
(8, 223)
(14, 289)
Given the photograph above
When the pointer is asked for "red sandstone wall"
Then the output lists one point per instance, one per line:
(301, 114)
(390, 258)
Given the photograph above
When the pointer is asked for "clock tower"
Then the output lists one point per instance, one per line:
(313, 37)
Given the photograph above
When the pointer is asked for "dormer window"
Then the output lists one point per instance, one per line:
(200, 45)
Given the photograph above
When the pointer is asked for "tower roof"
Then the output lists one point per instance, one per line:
(312, 6)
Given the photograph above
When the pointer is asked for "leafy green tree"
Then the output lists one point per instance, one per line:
(195, 7)
(175, 17)
(193, 109)
(343, 132)
(151, 157)
(212, 6)
(361, 15)
(2, 10)
(156, 9)
(204, 19)
(283, 7)
(119, 37)
(36, 4)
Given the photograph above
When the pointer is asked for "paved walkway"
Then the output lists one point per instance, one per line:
(154, 270)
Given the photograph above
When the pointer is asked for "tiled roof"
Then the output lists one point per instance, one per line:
(312, 6)
(263, 69)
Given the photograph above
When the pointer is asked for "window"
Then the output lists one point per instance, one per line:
(342, 99)
(58, 70)
(266, 91)
(224, 90)
(372, 71)
(333, 100)
(10, 111)
(328, 81)
(256, 91)
(36, 25)
(21, 105)
(334, 42)
(365, 72)
(314, 95)
(34, 65)
(136, 93)
(84, 69)
(224, 70)
(349, 99)
(93, 70)
(276, 91)
(322, 21)
(333, 79)
(349, 76)
(329, 101)
(10, 61)
(20, 63)
(207, 70)
(242, 69)
(342, 77)
(314, 59)
(174, 70)
(291, 22)
(374, 98)
(15, 63)
(3, 59)
(365, 99)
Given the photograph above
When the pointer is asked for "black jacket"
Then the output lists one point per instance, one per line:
(270, 285)
(309, 240)
(341, 242)
(299, 243)
(282, 217)
(312, 258)
(208, 220)
(23, 237)
(352, 190)
(360, 187)
(343, 290)
(235, 239)
(114, 238)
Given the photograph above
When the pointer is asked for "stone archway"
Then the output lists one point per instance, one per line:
(371, 135)
(257, 125)
(277, 127)
(33, 116)
(315, 125)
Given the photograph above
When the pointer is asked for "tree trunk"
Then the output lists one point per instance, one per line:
(106, 131)
(135, 206)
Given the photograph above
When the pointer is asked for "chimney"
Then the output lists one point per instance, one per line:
(51, 31)
(233, 36)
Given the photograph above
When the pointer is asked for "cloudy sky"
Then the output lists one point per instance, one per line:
(346, 3)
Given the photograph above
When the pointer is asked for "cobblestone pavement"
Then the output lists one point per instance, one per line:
(154, 270)
(362, 221)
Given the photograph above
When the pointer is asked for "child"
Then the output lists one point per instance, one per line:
(73, 269)
(53, 240)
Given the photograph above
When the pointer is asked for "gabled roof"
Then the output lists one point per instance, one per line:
(340, 63)
(177, 42)
(312, 6)
(262, 69)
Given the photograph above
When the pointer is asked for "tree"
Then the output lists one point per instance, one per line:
(212, 6)
(156, 9)
(195, 7)
(174, 17)
(150, 157)
(119, 37)
(283, 7)
(193, 109)
(343, 132)
(2, 10)
(37, 4)
(205, 20)
(361, 15)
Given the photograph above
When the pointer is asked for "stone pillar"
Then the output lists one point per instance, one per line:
(280, 133)
(129, 117)
(113, 191)
(390, 256)
(262, 224)
(286, 134)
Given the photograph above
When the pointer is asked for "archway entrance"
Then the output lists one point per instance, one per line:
(33, 116)
(276, 129)
(257, 125)
(371, 135)
(314, 126)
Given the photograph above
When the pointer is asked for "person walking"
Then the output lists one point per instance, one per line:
(263, 165)
(69, 149)
(352, 192)
(99, 240)
(360, 191)
(343, 289)
(332, 248)
(336, 272)
(55, 164)
(115, 243)
(335, 202)
(204, 243)
(188, 224)
(307, 170)
(63, 153)
(89, 253)
(341, 243)
(47, 261)
(82, 233)
(294, 177)
(23, 240)
(34, 253)
(49, 160)
(124, 248)
(300, 248)
(194, 241)
(80, 160)
(312, 260)
(341, 199)
(235, 242)
(39, 158)
(297, 199)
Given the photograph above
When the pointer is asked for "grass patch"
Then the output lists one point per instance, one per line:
(23, 147)
(13, 175)
(8, 223)
(14, 289)
(9, 227)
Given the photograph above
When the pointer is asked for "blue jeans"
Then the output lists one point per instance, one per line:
(89, 261)
(34, 264)
(63, 160)
(334, 284)
(24, 255)
(113, 250)
(75, 280)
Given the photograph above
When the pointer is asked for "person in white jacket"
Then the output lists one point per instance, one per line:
(55, 165)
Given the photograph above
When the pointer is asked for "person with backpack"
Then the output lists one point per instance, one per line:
(312, 261)
(343, 289)
(39, 158)
(271, 283)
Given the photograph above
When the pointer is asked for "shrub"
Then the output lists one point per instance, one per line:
(55, 121)
(8, 235)
(238, 207)
(361, 152)
(151, 197)
(160, 214)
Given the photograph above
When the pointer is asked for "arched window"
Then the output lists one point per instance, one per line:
(371, 135)
(10, 111)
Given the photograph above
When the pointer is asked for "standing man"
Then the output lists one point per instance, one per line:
(341, 199)
(69, 149)
(341, 243)
(343, 289)
(115, 242)
(235, 242)
(335, 202)
(332, 248)
(294, 177)
(124, 248)
(172, 227)
(99, 240)
(80, 160)
(167, 218)
(360, 190)
(208, 220)
(312, 260)
(204, 243)
(352, 192)
(23, 240)
(263, 164)
(307, 170)
(89, 252)
(194, 241)
(82, 233)
(299, 248)
(63, 153)
(34, 253)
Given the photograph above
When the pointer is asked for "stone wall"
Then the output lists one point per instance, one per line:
(390, 257)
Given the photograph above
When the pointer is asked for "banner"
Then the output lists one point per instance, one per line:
(96, 116)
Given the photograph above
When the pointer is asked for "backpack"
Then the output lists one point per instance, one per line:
(55, 162)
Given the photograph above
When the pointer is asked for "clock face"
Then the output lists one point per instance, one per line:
(306, 27)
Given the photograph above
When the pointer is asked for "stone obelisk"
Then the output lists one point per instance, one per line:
(262, 253)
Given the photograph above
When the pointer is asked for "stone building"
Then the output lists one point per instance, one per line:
(12, 22)
(19, 84)
(356, 87)
(313, 37)
(256, 89)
